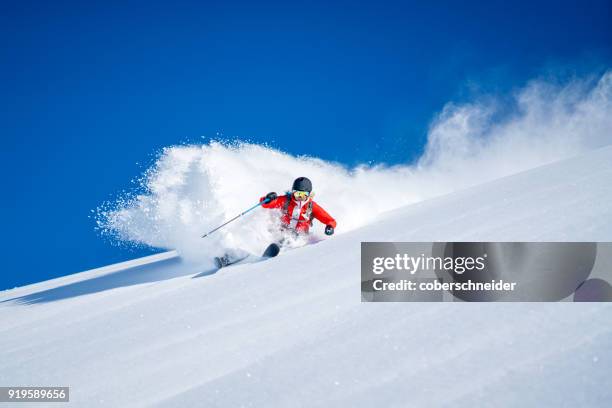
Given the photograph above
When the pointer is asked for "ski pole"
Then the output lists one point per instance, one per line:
(236, 217)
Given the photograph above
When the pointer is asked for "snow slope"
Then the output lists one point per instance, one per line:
(163, 331)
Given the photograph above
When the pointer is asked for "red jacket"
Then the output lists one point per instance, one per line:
(304, 211)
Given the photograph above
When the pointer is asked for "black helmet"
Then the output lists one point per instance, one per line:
(302, 184)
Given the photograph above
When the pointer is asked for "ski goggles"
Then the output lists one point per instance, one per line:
(301, 195)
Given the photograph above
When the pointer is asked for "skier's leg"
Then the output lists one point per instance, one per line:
(274, 248)
(290, 238)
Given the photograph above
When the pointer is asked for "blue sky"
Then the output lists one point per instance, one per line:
(92, 90)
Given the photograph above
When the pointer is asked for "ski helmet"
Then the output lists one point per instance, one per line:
(302, 184)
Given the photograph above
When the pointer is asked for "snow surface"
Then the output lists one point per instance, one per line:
(166, 331)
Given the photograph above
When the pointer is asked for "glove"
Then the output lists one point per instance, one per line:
(270, 197)
(329, 230)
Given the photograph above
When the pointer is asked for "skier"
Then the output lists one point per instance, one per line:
(298, 209)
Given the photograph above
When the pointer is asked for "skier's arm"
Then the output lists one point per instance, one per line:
(320, 214)
(274, 202)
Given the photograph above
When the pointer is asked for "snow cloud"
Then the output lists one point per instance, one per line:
(192, 189)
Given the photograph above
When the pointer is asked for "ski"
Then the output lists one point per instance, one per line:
(225, 260)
